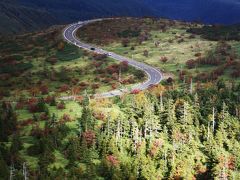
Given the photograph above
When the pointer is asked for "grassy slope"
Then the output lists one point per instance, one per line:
(37, 50)
(175, 43)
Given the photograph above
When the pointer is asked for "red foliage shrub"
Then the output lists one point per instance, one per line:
(99, 56)
(114, 68)
(107, 80)
(232, 163)
(37, 132)
(79, 99)
(64, 88)
(44, 117)
(158, 143)
(95, 86)
(164, 59)
(191, 64)
(66, 117)
(230, 62)
(61, 105)
(89, 137)
(74, 81)
(112, 160)
(125, 81)
(20, 105)
(99, 116)
(153, 151)
(43, 89)
(114, 86)
(48, 99)
(32, 101)
(97, 64)
(26, 123)
(135, 91)
(33, 108)
(83, 84)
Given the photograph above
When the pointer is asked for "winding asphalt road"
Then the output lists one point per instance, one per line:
(154, 75)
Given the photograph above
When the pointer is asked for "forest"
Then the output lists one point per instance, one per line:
(159, 134)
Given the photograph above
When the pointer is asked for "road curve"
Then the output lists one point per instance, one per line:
(154, 75)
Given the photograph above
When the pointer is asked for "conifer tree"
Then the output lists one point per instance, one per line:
(4, 170)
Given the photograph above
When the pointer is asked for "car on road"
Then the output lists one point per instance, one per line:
(109, 54)
(92, 48)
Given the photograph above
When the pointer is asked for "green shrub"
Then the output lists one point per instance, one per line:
(69, 53)
(21, 67)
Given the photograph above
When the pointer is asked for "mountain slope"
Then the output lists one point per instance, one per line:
(81, 9)
(210, 11)
(16, 18)
(28, 15)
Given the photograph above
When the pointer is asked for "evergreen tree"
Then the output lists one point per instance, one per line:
(16, 144)
(8, 121)
(86, 121)
(4, 170)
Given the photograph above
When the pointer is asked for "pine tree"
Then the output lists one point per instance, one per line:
(53, 120)
(4, 170)
(16, 144)
(86, 121)
(197, 117)
(73, 150)
(171, 116)
(8, 121)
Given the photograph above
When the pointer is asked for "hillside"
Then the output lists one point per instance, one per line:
(74, 10)
(185, 127)
(185, 51)
(210, 11)
(43, 60)
(16, 18)
(29, 15)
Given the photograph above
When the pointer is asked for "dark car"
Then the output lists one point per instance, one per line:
(93, 49)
